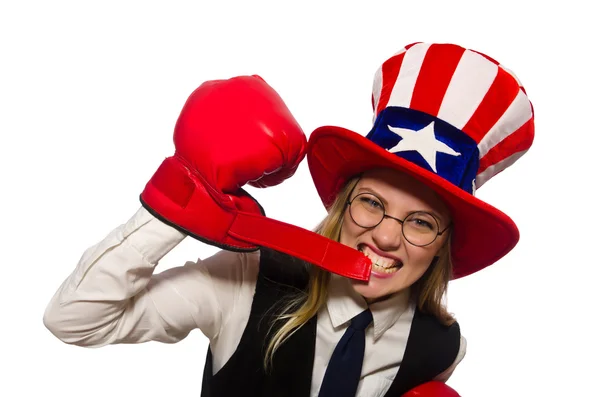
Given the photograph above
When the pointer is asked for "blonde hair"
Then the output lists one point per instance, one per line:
(427, 292)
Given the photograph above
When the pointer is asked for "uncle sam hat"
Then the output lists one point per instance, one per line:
(450, 117)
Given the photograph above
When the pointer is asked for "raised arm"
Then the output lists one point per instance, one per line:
(112, 295)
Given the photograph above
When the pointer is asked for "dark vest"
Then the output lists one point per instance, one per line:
(431, 346)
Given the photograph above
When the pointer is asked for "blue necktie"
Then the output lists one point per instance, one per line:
(343, 371)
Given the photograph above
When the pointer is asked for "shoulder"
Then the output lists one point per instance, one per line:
(231, 277)
(232, 266)
(434, 323)
(280, 268)
(263, 267)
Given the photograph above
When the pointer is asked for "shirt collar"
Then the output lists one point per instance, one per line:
(343, 303)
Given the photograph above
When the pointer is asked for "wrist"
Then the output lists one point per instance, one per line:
(151, 237)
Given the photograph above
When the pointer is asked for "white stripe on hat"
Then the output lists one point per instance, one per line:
(407, 78)
(517, 114)
(377, 84)
(472, 79)
(493, 169)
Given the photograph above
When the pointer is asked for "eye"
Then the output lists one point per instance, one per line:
(422, 223)
(370, 202)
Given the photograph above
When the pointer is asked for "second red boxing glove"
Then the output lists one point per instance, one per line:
(231, 133)
(432, 389)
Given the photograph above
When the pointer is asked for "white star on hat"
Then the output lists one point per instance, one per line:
(422, 141)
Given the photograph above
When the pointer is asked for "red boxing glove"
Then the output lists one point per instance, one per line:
(230, 133)
(432, 389)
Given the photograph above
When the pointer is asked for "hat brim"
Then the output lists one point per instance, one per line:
(481, 235)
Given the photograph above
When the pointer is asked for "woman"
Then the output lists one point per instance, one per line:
(446, 120)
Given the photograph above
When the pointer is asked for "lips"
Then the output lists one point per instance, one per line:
(381, 263)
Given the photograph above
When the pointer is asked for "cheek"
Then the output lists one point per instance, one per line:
(349, 231)
(412, 271)
(419, 260)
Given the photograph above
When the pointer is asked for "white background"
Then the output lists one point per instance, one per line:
(90, 92)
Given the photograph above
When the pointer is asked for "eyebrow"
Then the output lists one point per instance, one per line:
(385, 202)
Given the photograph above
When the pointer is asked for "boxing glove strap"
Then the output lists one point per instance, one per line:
(301, 243)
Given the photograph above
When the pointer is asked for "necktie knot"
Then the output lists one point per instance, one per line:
(361, 321)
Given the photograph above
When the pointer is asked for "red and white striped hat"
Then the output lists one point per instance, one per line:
(452, 118)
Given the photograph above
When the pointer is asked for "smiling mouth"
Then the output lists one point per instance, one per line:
(380, 264)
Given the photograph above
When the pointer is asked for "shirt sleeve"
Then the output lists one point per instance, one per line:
(444, 376)
(113, 296)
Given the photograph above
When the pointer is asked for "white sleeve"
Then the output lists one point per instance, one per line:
(444, 376)
(113, 297)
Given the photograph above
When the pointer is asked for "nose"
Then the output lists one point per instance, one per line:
(387, 235)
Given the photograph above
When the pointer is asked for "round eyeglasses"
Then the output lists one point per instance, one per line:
(419, 228)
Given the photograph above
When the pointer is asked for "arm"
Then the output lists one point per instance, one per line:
(113, 297)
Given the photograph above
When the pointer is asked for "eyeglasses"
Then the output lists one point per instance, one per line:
(419, 228)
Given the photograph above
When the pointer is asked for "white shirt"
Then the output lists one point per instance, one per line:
(113, 296)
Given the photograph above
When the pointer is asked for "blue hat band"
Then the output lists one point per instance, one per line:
(428, 142)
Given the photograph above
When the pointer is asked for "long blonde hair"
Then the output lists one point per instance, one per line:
(428, 292)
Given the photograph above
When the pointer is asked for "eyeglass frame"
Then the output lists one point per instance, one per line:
(385, 215)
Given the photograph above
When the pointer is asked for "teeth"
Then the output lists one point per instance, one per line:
(382, 263)
(386, 270)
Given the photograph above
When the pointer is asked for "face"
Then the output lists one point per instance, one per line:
(397, 264)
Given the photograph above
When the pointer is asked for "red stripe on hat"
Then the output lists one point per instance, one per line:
(389, 73)
(434, 78)
(501, 94)
(518, 141)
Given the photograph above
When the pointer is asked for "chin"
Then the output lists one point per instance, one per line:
(378, 288)
(370, 291)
